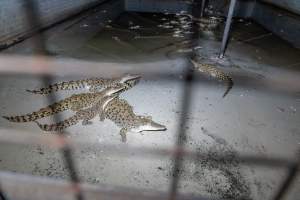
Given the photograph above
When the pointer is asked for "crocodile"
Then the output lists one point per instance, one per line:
(75, 102)
(213, 71)
(117, 110)
(121, 113)
(85, 115)
(92, 84)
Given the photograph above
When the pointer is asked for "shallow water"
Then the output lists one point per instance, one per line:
(259, 116)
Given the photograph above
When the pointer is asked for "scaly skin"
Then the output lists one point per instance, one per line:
(75, 102)
(115, 109)
(121, 113)
(85, 115)
(93, 84)
(211, 70)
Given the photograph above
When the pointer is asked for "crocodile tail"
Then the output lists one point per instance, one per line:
(21, 118)
(229, 83)
(68, 85)
(25, 118)
(43, 112)
(60, 125)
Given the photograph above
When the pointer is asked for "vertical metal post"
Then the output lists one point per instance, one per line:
(2, 195)
(292, 174)
(33, 18)
(202, 7)
(227, 28)
(186, 109)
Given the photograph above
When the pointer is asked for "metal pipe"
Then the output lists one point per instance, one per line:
(227, 28)
(202, 7)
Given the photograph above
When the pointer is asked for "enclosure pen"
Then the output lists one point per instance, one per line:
(27, 186)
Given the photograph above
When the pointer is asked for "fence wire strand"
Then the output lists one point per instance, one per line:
(40, 47)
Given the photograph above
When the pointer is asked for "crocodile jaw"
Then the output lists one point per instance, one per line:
(151, 126)
(114, 90)
(129, 77)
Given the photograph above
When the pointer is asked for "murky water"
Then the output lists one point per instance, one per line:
(259, 116)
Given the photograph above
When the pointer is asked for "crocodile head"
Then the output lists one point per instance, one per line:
(128, 80)
(146, 124)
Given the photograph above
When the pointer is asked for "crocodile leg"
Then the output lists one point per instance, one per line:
(123, 132)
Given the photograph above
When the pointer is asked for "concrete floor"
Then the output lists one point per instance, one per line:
(259, 116)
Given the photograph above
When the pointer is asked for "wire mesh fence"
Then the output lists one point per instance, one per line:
(29, 187)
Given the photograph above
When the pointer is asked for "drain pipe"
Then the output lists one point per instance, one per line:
(227, 28)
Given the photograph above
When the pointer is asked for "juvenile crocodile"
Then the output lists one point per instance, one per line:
(93, 84)
(121, 113)
(75, 102)
(85, 115)
(117, 110)
(211, 70)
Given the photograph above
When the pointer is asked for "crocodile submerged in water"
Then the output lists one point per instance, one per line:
(213, 71)
(75, 103)
(117, 110)
(93, 84)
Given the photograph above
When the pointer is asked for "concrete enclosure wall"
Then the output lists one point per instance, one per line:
(279, 21)
(291, 5)
(13, 24)
(162, 6)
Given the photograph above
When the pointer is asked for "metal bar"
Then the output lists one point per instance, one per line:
(181, 134)
(202, 8)
(20, 186)
(33, 20)
(2, 196)
(56, 141)
(227, 28)
(32, 13)
(292, 174)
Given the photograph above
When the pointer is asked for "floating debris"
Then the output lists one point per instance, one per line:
(178, 35)
(174, 22)
(280, 109)
(294, 110)
(167, 26)
(177, 32)
(135, 27)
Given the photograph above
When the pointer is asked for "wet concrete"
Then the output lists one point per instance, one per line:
(260, 115)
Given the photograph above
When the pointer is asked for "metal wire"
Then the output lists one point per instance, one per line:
(185, 108)
(181, 134)
(54, 141)
(32, 13)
